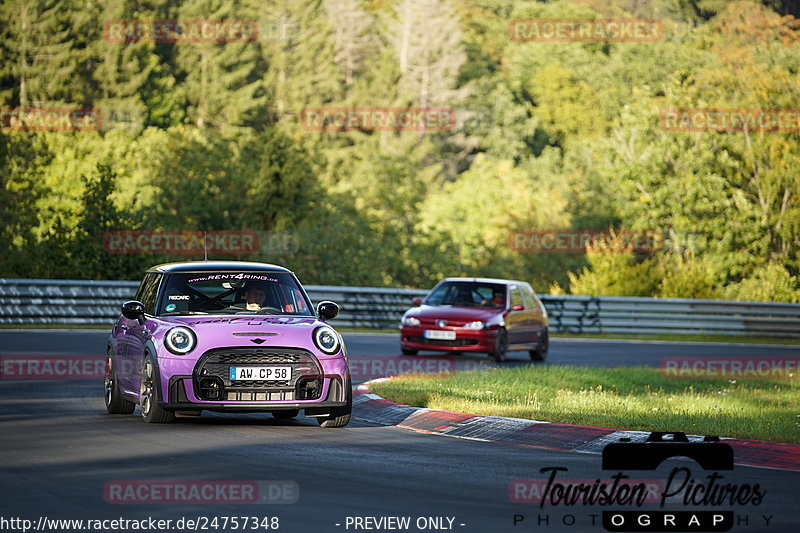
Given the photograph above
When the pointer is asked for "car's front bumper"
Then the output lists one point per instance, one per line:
(316, 382)
(467, 340)
(181, 396)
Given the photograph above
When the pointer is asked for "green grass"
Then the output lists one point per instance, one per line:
(635, 398)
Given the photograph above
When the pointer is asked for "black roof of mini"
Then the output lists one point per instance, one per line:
(217, 266)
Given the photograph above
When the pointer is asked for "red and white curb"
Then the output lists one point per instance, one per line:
(549, 435)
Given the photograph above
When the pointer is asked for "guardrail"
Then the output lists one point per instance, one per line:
(66, 302)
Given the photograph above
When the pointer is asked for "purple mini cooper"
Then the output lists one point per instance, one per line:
(226, 336)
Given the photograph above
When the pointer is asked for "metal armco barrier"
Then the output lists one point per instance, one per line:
(64, 302)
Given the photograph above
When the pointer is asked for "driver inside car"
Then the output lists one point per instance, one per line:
(498, 299)
(254, 297)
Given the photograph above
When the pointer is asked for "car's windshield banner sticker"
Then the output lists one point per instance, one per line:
(233, 276)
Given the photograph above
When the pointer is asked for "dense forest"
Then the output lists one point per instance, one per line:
(546, 135)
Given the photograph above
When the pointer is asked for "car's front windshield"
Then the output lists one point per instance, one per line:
(468, 294)
(246, 293)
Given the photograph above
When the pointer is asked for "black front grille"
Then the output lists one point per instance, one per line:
(257, 356)
(212, 375)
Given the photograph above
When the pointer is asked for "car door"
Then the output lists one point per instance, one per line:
(540, 316)
(533, 318)
(516, 317)
(137, 334)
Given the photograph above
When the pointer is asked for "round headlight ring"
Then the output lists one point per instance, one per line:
(180, 340)
(326, 340)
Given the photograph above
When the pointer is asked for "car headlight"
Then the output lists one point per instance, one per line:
(326, 340)
(474, 325)
(411, 321)
(180, 340)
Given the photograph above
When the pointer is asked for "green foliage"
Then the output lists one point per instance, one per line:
(98, 214)
(771, 283)
(548, 135)
(221, 82)
(42, 53)
(615, 274)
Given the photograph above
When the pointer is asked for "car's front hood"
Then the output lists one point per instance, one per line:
(246, 322)
(226, 331)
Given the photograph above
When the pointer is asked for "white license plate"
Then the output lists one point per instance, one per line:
(259, 373)
(438, 334)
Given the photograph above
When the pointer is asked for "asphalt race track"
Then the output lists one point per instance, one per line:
(60, 450)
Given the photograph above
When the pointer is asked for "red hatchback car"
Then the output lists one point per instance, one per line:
(477, 315)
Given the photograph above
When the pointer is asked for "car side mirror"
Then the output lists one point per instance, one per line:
(327, 310)
(417, 302)
(133, 310)
(518, 307)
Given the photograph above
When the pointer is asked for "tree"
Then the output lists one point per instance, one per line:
(42, 54)
(88, 257)
(427, 43)
(302, 71)
(125, 74)
(353, 34)
(283, 186)
(222, 81)
(20, 154)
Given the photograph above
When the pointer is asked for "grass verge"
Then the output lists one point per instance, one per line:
(634, 398)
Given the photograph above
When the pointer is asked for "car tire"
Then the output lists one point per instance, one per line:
(340, 416)
(540, 353)
(500, 346)
(409, 351)
(116, 404)
(148, 396)
(286, 415)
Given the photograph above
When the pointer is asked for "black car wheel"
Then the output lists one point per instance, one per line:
(116, 404)
(500, 346)
(540, 353)
(148, 396)
(409, 351)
